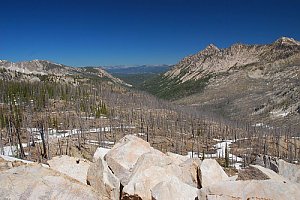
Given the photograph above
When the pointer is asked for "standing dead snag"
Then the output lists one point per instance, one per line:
(226, 156)
(41, 130)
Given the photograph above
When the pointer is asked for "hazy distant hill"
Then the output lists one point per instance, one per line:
(143, 69)
(136, 75)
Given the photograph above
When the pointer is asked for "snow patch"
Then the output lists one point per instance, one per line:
(279, 113)
(221, 146)
(12, 159)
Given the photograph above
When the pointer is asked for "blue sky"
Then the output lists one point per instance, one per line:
(120, 32)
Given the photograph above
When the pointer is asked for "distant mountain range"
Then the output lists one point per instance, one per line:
(138, 74)
(138, 69)
(37, 70)
(258, 83)
(40, 70)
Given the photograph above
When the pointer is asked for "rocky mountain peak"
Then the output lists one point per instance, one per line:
(211, 48)
(286, 41)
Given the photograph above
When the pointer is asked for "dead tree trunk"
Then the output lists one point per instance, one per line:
(41, 130)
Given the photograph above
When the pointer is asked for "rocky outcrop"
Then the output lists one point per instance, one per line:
(267, 162)
(100, 153)
(212, 172)
(34, 181)
(178, 159)
(140, 167)
(289, 171)
(74, 167)
(124, 155)
(152, 169)
(254, 189)
(147, 174)
(173, 189)
(141, 183)
(149, 170)
(191, 172)
(103, 180)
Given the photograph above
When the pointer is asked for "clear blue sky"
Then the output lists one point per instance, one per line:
(112, 32)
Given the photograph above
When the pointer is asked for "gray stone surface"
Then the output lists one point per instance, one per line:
(101, 178)
(289, 171)
(123, 156)
(253, 189)
(173, 189)
(34, 181)
(74, 167)
(212, 172)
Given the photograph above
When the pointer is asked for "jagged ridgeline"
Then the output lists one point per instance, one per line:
(259, 83)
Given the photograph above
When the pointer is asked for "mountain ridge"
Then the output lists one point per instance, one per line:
(37, 68)
(137, 69)
(254, 82)
(215, 60)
